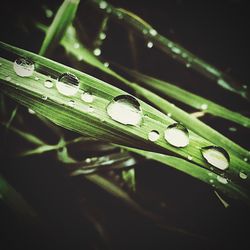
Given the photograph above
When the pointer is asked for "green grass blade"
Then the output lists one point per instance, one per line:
(172, 49)
(188, 98)
(60, 23)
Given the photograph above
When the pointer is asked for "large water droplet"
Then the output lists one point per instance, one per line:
(67, 84)
(216, 156)
(24, 67)
(87, 97)
(126, 110)
(177, 135)
(153, 135)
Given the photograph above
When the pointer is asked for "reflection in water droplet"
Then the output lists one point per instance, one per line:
(106, 64)
(150, 44)
(67, 84)
(87, 97)
(71, 103)
(177, 135)
(48, 83)
(8, 78)
(126, 110)
(97, 52)
(242, 175)
(216, 156)
(103, 5)
(44, 97)
(152, 32)
(102, 35)
(221, 179)
(24, 67)
(153, 135)
(204, 106)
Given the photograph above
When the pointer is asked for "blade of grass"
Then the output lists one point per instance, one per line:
(172, 49)
(60, 23)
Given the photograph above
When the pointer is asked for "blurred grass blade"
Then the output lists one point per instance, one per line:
(129, 177)
(60, 23)
(13, 114)
(96, 122)
(172, 49)
(188, 98)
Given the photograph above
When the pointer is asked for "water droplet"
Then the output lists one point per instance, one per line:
(87, 97)
(190, 158)
(221, 179)
(243, 175)
(71, 103)
(36, 78)
(103, 5)
(170, 44)
(244, 86)
(211, 181)
(8, 78)
(145, 31)
(126, 110)
(177, 135)
(97, 52)
(152, 32)
(67, 84)
(150, 44)
(102, 35)
(109, 10)
(184, 55)
(44, 97)
(153, 135)
(169, 114)
(1, 64)
(48, 13)
(48, 83)
(24, 67)
(232, 129)
(88, 160)
(204, 106)
(176, 50)
(216, 156)
(90, 109)
(245, 159)
(106, 64)
(31, 111)
(120, 15)
(76, 45)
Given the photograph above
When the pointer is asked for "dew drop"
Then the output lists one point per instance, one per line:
(153, 135)
(24, 67)
(170, 44)
(216, 156)
(169, 114)
(48, 83)
(71, 103)
(36, 78)
(150, 44)
(244, 86)
(31, 111)
(48, 13)
(190, 158)
(242, 175)
(245, 159)
(145, 31)
(176, 50)
(120, 15)
(1, 64)
(184, 55)
(67, 84)
(204, 106)
(102, 35)
(177, 135)
(106, 64)
(103, 5)
(188, 65)
(152, 32)
(8, 78)
(97, 52)
(221, 179)
(76, 45)
(232, 129)
(44, 97)
(211, 181)
(87, 97)
(126, 110)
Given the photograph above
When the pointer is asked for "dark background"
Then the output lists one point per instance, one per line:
(217, 31)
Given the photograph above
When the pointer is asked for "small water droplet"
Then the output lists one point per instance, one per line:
(126, 110)
(176, 50)
(8, 78)
(152, 32)
(120, 15)
(184, 55)
(244, 86)
(245, 159)
(103, 5)
(177, 135)
(76, 45)
(71, 103)
(216, 156)
(169, 114)
(48, 83)
(31, 111)
(90, 109)
(24, 67)
(170, 44)
(188, 65)
(150, 44)
(1, 64)
(211, 181)
(106, 64)
(87, 97)
(88, 160)
(153, 135)
(232, 129)
(190, 158)
(204, 106)
(102, 35)
(145, 31)
(242, 175)
(221, 179)
(48, 13)
(97, 52)
(44, 97)
(36, 78)
(67, 84)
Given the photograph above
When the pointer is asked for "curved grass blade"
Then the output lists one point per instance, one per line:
(172, 49)
(60, 23)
